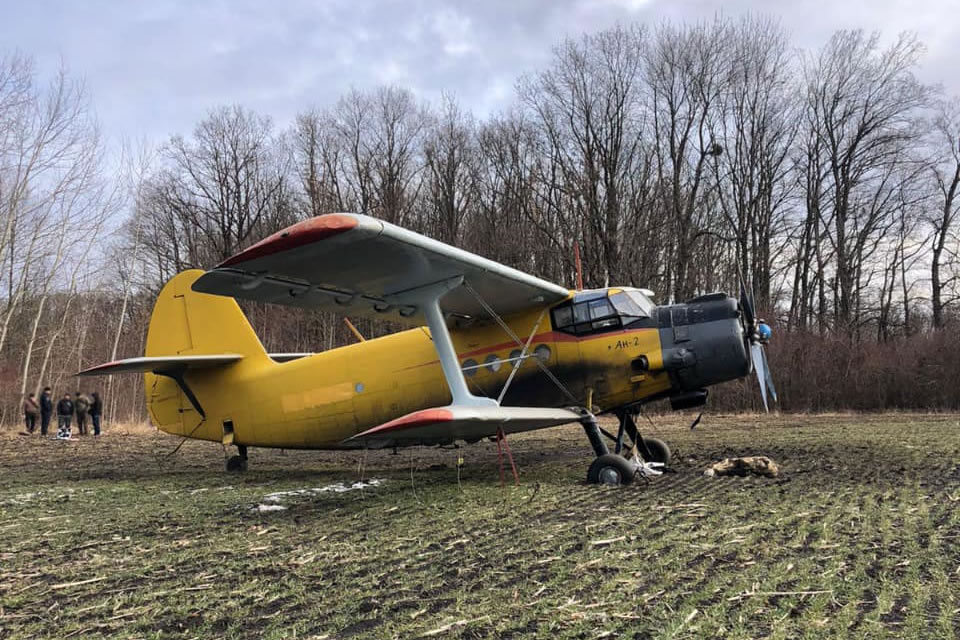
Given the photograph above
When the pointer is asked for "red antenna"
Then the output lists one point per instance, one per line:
(576, 261)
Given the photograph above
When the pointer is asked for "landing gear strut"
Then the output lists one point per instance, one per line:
(621, 467)
(608, 468)
(238, 462)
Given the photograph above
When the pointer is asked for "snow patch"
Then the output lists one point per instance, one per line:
(65, 493)
(339, 487)
(269, 507)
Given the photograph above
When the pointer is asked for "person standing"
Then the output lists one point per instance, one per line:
(81, 405)
(31, 410)
(46, 410)
(64, 416)
(96, 410)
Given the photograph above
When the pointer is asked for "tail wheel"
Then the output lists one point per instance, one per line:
(611, 469)
(659, 451)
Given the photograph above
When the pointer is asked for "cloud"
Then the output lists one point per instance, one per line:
(156, 68)
(454, 30)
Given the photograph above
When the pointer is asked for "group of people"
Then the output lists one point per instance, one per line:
(81, 406)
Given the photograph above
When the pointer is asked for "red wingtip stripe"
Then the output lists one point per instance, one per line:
(411, 420)
(105, 365)
(296, 235)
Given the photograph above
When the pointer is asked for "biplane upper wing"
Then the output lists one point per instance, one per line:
(355, 265)
(447, 424)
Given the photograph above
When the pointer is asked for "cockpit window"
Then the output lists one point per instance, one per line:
(581, 313)
(600, 308)
(632, 304)
(563, 316)
(643, 302)
(602, 313)
(626, 305)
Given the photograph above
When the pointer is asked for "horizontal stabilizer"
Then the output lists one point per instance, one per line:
(447, 424)
(161, 364)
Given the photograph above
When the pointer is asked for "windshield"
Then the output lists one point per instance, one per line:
(603, 313)
(643, 302)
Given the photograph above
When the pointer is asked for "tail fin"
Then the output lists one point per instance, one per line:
(187, 323)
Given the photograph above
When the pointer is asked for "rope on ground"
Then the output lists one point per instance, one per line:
(182, 441)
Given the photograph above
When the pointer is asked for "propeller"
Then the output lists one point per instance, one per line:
(746, 305)
(758, 333)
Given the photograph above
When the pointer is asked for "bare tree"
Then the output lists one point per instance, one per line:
(449, 154)
(946, 174)
(862, 105)
(687, 69)
(219, 191)
(757, 130)
(319, 155)
(587, 107)
(398, 136)
(48, 158)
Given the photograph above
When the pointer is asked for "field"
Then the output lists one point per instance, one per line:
(125, 537)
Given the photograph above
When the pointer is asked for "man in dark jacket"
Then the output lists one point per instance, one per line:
(81, 405)
(64, 416)
(96, 410)
(46, 410)
(31, 410)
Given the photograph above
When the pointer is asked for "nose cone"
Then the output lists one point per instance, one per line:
(703, 342)
(765, 332)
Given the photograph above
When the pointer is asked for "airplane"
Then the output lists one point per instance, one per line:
(491, 350)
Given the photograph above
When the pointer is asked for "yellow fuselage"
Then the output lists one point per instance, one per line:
(321, 400)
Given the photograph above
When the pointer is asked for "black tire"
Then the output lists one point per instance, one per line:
(658, 450)
(236, 464)
(611, 469)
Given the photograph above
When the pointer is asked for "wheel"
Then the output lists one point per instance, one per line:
(611, 469)
(236, 463)
(658, 449)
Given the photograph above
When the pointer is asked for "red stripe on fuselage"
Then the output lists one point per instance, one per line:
(547, 336)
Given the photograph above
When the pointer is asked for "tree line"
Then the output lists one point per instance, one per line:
(675, 157)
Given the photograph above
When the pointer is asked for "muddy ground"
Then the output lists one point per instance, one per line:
(129, 537)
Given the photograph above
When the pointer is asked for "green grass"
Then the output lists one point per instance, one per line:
(860, 537)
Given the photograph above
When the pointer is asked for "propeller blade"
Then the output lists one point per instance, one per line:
(769, 376)
(746, 304)
(759, 365)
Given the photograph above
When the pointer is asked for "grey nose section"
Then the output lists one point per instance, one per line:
(703, 342)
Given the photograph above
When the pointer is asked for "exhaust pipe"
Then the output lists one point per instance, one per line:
(689, 399)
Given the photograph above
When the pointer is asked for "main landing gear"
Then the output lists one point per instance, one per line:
(238, 462)
(623, 465)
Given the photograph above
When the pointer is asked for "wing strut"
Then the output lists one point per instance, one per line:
(428, 299)
(467, 417)
(521, 358)
(509, 332)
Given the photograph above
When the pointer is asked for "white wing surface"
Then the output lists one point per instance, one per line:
(355, 265)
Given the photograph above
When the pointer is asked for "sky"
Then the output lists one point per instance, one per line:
(155, 67)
